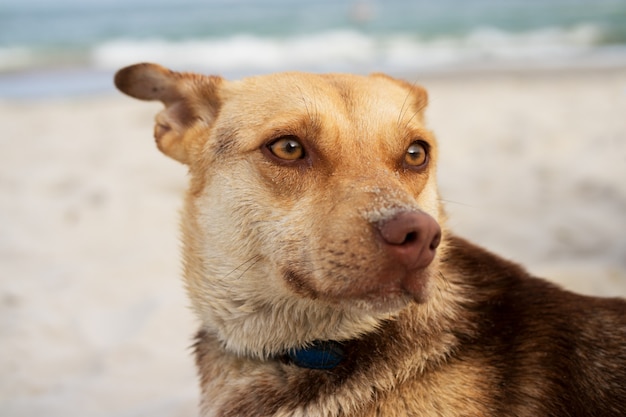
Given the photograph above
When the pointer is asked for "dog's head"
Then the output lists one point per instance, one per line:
(312, 211)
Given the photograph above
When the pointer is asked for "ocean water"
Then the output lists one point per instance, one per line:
(72, 46)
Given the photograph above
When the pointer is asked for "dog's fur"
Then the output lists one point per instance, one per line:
(280, 253)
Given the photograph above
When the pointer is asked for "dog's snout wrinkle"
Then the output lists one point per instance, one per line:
(411, 237)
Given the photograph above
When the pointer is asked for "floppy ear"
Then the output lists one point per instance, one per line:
(188, 98)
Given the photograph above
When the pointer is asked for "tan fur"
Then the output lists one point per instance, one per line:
(278, 255)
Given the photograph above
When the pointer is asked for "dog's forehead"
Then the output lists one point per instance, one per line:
(344, 93)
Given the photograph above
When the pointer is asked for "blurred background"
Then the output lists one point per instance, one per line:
(527, 99)
(56, 47)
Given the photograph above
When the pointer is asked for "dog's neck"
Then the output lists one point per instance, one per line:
(322, 355)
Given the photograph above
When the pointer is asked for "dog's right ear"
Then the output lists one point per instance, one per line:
(188, 99)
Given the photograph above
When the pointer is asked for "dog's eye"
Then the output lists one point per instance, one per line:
(416, 155)
(288, 148)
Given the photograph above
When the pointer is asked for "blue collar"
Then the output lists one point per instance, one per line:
(318, 355)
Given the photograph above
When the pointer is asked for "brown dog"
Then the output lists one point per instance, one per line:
(317, 259)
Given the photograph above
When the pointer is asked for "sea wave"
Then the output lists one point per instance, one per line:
(349, 50)
(341, 50)
(37, 72)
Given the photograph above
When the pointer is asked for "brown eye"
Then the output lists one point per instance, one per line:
(416, 155)
(288, 148)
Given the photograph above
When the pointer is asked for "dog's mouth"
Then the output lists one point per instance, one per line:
(393, 287)
(386, 290)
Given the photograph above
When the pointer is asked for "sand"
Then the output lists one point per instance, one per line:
(93, 315)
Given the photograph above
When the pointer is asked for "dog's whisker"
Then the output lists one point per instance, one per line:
(254, 260)
(456, 202)
(415, 113)
(403, 109)
(311, 113)
(446, 282)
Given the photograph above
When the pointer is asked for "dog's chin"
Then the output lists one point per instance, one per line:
(381, 304)
(387, 292)
(384, 292)
(396, 296)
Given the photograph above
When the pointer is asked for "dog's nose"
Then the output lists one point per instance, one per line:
(411, 237)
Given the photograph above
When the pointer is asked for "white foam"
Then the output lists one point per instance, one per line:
(242, 52)
(349, 50)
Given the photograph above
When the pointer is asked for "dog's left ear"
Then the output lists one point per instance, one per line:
(188, 98)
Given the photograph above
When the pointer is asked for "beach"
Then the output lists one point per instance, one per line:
(94, 320)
